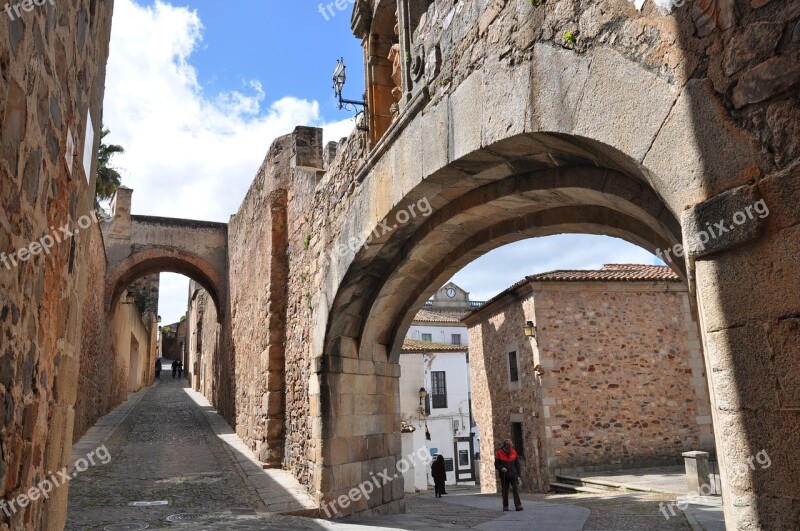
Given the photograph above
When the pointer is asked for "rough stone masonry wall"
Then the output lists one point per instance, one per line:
(52, 71)
(625, 381)
(101, 386)
(495, 401)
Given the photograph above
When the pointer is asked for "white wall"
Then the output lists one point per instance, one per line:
(440, 421)
(411, 379)
(439, 333)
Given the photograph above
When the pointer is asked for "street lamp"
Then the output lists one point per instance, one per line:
(339, 79)
(530, 329)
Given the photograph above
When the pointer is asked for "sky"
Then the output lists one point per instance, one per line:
(196, 91)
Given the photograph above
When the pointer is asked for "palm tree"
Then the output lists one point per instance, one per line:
(108, 179)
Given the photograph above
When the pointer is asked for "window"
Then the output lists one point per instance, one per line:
(427, 337)
(448, 464)
(455, 339)
(438, 389)
(513, 369)
(516, 437)
(463, 458)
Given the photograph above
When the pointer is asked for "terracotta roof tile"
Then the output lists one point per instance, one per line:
(416, 345)
(621, 272)
(427, 316)
(609, 273)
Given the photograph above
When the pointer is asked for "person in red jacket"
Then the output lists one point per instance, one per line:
(507, 464)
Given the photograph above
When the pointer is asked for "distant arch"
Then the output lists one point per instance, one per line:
(161, 259)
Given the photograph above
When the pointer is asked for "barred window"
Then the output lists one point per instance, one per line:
(439, 389)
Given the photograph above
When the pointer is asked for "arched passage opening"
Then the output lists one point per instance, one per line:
(164, 260)
(523, 187)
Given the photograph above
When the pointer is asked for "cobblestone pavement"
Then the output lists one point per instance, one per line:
(165, 446)
(163, 450)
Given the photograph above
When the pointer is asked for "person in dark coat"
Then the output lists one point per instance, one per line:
(507, 464)
(158, 368)
(180, 369)
(439, 475)
(174, 368)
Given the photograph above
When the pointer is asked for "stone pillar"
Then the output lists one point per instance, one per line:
(696, 470)
(360, 433)
(748, 292)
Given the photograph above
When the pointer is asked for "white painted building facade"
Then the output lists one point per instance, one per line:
(435, 358)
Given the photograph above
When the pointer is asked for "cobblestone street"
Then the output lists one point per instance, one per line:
(164, 450)
(167, 445)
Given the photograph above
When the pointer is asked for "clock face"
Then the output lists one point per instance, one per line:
(451, 292)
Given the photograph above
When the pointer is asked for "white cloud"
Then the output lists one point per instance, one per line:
(187, 154)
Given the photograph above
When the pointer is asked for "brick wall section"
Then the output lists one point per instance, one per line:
(624, 380)
(53, 71)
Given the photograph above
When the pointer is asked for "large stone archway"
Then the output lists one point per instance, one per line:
(508, 151)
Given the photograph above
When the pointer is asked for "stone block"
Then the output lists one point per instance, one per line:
(731, 218)
(715, 157)
(758, 278)
(435, 136)
(781, 191)
(506, 98)
(466, 116)
(559, 78)
(766, 80)
(607, 112)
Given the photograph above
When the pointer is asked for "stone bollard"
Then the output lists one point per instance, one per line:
(697, 470)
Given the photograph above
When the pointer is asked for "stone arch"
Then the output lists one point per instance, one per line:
(159, 259)
(506, 192)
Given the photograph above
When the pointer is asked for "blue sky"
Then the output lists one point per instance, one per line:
(196, 91)
(288, 45)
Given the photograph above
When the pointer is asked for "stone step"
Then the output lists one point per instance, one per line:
(571, 488)
(601, 485)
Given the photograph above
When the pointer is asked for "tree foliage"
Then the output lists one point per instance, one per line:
(108, 178)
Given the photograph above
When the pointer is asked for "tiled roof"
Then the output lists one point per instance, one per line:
(609, 273)
(622, 272)
(427, 316)
(416, 345)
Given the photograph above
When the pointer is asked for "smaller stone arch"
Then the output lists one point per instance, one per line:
(161, 259)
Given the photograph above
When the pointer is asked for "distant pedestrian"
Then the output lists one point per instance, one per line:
(439, 475)
(174, 368)
(158, 368)
(507, 464)
(180, 369)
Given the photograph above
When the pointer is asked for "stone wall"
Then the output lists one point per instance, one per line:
(624, 382)
(104, 359)
(495, 401)
(203, 340)
(100, 385)
(309, 379)
(53, 70)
